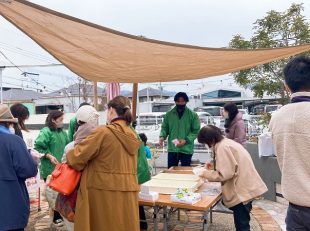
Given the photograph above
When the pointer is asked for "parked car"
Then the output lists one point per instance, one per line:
(245, 114)
(205, 118)
(212, 110)
(265, 108)
(150, 118)
(272, 108)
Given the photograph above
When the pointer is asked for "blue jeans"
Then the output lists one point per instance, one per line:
(297, 218)
(242, 216)
(175, 157)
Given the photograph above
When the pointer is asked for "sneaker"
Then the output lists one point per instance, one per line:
(58, 223)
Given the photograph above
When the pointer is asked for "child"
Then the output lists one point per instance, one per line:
(146, 148)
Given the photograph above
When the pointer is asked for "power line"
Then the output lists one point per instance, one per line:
(10, 61)
(17, 85)
(25, 73)
(29, 54)
(39, 65)
(47, 86)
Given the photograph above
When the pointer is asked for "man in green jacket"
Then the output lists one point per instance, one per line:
(181, 125)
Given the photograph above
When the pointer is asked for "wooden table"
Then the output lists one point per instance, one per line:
(205, 205)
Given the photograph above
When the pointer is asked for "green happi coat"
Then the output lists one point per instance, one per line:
(52, 142)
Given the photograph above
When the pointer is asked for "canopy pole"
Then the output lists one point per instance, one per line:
(1, 85)
(95, 95)
(134, 100)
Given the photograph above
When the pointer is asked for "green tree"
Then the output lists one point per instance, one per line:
(276, 29)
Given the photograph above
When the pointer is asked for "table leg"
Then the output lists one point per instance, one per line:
(211, 216)
(155, 218)
(165, 218)
(39, 199)
(205, 220)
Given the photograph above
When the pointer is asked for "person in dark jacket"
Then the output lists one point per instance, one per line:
(234, 124)
(16, 165)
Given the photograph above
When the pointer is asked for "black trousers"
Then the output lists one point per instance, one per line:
(242, 216)
(143, 223)
(175, 157)
(297, 218)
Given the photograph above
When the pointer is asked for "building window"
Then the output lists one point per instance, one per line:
(221, 94)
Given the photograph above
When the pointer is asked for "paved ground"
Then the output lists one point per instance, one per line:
(276, 210)
(266, 216)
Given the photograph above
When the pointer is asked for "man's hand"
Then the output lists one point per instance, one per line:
(161, 141)
(181, 143)
(52, 159)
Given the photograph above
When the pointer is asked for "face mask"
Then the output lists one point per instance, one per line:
(108, 116)
(181, 108)
(12, 130)
(59, 124)
(225, 114)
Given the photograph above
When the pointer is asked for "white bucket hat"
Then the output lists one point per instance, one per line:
(6, 115)
(87, 114)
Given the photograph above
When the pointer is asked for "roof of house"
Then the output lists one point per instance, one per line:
(20, 95)
(152, 92)
(76, 90)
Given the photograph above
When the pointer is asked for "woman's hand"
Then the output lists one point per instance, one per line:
(52, 159)
(35, 155)
(199, 171)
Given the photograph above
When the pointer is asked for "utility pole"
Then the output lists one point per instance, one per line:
(95, 95)
(25, 74)
(79, 90)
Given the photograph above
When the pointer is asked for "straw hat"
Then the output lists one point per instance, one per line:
(6, 115)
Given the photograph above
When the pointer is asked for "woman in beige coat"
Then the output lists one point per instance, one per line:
(108, 195)
(234, 168)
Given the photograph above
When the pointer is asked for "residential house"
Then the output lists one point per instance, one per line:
(70, 98)
(26, 97)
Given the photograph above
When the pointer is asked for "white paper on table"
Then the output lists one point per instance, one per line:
(192, 199)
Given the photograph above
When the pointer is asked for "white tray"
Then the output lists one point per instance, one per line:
(174, 176)
(169, 186)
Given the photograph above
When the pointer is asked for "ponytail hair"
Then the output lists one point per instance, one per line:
(122, 107)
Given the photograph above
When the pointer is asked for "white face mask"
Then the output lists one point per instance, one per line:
(59, 124)
(225, 114)
(108, 116)
(12, 130)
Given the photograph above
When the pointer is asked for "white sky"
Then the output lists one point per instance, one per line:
(206, 23)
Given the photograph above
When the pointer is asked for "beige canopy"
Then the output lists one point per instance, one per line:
(101, 54)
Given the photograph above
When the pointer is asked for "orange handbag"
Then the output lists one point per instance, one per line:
(64, 179)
